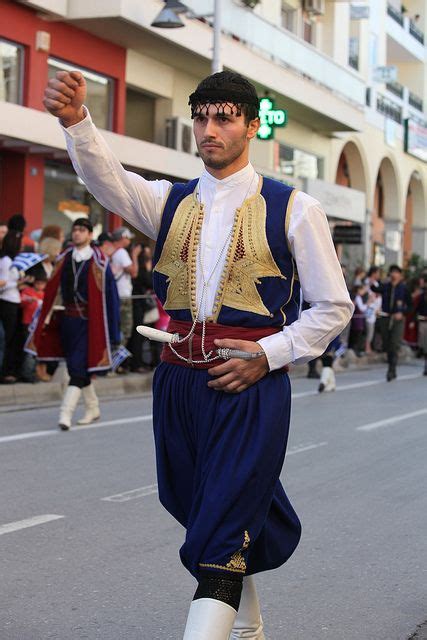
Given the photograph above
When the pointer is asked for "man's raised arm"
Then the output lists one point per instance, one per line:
(137, 200)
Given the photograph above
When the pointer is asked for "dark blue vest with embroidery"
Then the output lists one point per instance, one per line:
(259, 285)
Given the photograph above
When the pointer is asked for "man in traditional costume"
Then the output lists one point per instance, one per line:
(233, 250)
(79, 321)
(396, 302)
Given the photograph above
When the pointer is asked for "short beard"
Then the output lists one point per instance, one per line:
(222, 163)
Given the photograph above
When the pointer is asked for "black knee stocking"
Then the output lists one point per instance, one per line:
(221, 587)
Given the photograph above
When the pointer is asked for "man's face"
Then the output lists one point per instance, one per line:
(3, 231)
(221, 138)
(395, 276)
(81, 236)
(107, 247)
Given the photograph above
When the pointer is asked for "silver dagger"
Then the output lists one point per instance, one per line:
(171, 338)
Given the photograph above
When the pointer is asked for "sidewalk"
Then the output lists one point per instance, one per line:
(23, 395)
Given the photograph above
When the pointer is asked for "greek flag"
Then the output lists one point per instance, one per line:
(119, 356)
(24, 261)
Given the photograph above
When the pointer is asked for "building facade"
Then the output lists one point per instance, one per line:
(351, 76)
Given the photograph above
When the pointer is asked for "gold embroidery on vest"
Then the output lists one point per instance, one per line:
(178, 258)
(248, 260)
(237, 563)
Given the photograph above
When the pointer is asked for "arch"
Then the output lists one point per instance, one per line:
(415, 226)
(387, 175)
(351, 168)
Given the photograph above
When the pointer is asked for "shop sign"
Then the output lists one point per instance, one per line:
(347, 234)
(415, 139)
(270, 119)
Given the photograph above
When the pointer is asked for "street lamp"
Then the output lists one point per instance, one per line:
(168, 18)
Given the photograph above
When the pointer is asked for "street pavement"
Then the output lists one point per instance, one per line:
(87, 551)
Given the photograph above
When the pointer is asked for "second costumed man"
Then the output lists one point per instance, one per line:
(82, 328)
(233, 250)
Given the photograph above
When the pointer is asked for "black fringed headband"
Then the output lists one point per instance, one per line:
(232, 99)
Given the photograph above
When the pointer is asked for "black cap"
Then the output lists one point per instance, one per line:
(83, 222)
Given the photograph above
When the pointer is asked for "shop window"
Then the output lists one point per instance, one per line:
(66, 198)
(299, 164)
(99, 99)
(11, 65)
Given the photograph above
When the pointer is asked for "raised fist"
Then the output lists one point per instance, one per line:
(64, 96)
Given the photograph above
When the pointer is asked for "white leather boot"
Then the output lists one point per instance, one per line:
(327, 380)
(209, 619)
(248, 623)
(68, 406)
(91, 405)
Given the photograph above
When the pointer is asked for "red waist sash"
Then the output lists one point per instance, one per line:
(192, 348)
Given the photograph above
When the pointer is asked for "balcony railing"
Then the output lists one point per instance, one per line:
(415, 101)
(416, 32)
(395, 14)
(409, 25)
(389, 108)
(396, 88)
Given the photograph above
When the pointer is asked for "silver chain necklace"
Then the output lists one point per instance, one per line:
(201, 307)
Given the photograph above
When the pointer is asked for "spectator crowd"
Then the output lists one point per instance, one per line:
(26, 264)
(388, 308)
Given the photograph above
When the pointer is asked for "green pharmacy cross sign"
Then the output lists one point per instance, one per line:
(270, 118)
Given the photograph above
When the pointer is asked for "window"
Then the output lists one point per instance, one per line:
(11, 59)
(299, 164)
(288, 18)
(99, 99)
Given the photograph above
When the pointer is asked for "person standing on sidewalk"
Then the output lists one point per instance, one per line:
(395, 304)
(229, 246)
(86, 327)
(124, 267)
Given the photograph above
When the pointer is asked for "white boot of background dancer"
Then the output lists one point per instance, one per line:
(248, 623)
(209, 619)
(327, 380)
(91, 405)
(68, 406)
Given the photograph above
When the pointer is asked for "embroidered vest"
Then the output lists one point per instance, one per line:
(259, 285)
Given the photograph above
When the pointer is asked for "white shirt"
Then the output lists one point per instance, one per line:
(10, 291)
(85, 253)
(119, 261)
(140, 202)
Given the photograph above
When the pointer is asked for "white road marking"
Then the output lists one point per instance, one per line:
(56, 432)
(133, 494)
(30, 434)
(112, 423)
(29, 522)
(355, 385)
(393, 420)
(302, 448)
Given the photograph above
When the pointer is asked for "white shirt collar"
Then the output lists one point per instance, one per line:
(244, 175)
(82, 254)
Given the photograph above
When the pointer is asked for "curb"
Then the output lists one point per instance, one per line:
(27, 395)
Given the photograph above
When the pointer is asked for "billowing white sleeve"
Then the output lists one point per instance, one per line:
(322, 286)
(125, 193)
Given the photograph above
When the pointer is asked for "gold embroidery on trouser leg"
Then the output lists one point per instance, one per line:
(237, 563)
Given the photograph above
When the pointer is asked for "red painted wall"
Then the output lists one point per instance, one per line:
(19, 24)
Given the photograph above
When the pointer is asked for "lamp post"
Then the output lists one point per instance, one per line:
(168, 18)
